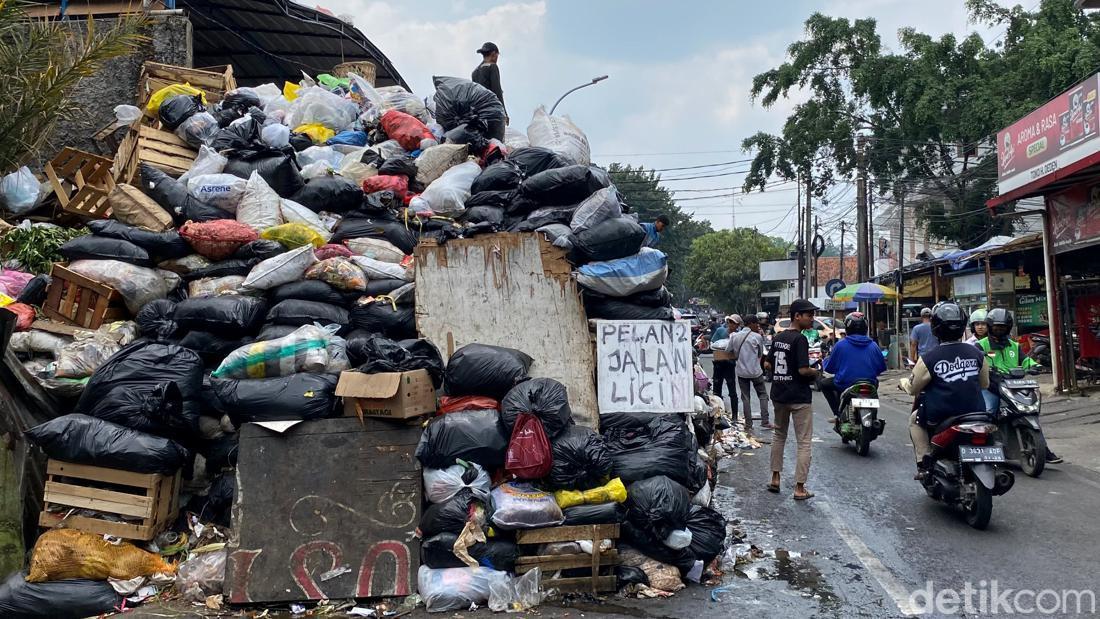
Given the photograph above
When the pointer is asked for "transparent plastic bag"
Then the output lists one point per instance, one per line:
(201, 576)
(520, 505)
(442, 484)
(38, 342)
(447, 194)
(275, 135)
(317, 105)
(455, 588)
(313, 154)
(339, 272)
(214, 286)
(378, 249)
(198, 129)
(559, 134)
(85, 354)
(137, 285)
(20, 191)
(208, 161)
(304, 350)
(678, 539)
(317, 169)
(515, 595)
(126, 115)
(294, 236)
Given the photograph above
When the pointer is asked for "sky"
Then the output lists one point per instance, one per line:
(680, 74)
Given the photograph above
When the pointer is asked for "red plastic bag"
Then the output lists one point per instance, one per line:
(529, 455)
(332, 250)
(217, 239)
(457, 404)
(399, 185)
(24, 315)
(406, 129)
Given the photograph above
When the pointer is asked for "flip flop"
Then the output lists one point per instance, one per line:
(773, 488)
(803, 497)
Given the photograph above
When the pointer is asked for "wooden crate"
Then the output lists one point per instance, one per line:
(161, 149)
(549, 564)
(214, 81)
(151, 497)
(78, 300)
(81, 182)
(363, 68)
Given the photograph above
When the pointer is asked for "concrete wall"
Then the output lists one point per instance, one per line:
(96, 96)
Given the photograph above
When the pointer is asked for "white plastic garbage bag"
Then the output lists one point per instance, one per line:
(316, 169)
(281, 269)
(317, 105)
(259, 207)
(221, 190)
(448, 194)
(20, 191)
(313, 154)
(435, 160)
(559, 134)
(678, 538)
(275, 135)
(208, 161)
(267, 92)
(455, 588)
(442, 484)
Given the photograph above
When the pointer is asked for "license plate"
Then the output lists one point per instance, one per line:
(969, 453)
(864, 403)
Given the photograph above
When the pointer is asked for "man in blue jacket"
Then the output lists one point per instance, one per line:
(855, 358)
(653, 230)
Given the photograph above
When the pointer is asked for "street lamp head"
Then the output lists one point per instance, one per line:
(599, 79)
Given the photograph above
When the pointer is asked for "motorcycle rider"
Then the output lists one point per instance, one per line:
(947, 381)
(1004, 355)
(978, 328)
(855, 358)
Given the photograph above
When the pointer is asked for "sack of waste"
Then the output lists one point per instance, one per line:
(581, 459)
(559, 134)
(155, 319)
(218, 239)
(562, 186)
(60, 554)
(160, 245)
(202, 575)
(532, 160)
(311, 290)
(375, 354)
(173, 197)
(596, 209)
(480, 369)
(376, 249)
(619, 309)
(282, 269)
(528, 455)
(708, 533)
(442, 484)
(456, 588)
(599, 513)
(297, 312)
(458, 101)
(407, 130)
(520, 505)
(435, 160)
(137, 285)
(87, 440)
(74, 598)
(448, 193)
(297, 396)
(610, 239)
(227, 314)
(646, 270)
(474, 436)
(334, 194)
(259, 207)
(304, 350)
(451, 516)
(386, 317)
(221, 190)
(132, 207)
(338, 272)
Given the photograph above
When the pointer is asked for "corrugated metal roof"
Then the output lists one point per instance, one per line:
(275, 40)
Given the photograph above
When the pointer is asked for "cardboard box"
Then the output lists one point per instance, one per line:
(392, 395)
(721, 355)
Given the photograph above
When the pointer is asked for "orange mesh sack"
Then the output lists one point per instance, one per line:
(61, 554)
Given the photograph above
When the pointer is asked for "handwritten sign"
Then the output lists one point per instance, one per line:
(644, 366)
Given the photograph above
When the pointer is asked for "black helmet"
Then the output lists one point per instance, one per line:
(855, 324)
(948, 322)
(999, 317)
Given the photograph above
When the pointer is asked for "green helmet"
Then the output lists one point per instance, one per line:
(977, 315)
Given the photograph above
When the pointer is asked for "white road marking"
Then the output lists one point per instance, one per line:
(893, 587)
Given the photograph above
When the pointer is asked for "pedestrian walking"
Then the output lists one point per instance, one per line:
(747, 347)
(792, 401)
(921, 339)
(724, 368)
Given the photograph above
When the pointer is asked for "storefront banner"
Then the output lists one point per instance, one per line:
(1075, 217)
(1031, 310)
(1087, 317)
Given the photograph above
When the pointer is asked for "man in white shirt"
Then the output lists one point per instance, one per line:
(747, 348)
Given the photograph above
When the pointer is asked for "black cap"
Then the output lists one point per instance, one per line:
(488, 47)
(802, 305)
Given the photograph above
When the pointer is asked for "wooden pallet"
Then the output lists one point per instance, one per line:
(151, 497)
(161, 149)
(81, 182)
(78, 300)
(214, 81)
(549, 564)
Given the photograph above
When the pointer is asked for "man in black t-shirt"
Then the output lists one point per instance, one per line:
(788, 363)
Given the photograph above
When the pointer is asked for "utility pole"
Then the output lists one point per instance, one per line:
(798, 243)
(842, 226)
(863, 255)
(901, 261)
(817, 227)
(808, 232)
(733, 211)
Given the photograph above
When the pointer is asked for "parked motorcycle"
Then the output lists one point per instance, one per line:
(963, 467)
(1017, 420)
(858, 420)
(1040, 349)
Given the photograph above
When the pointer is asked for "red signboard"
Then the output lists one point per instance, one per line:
(1075, 216)
(1087, 317)
(1052, 137)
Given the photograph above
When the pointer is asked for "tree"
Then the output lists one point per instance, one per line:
(41, 61)
(724, 266)
(929, 111)
(641, 189)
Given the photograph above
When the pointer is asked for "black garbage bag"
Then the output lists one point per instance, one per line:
(225, 116)
(335, 194)
(375, 354)
(56, 599)
(34, 292)
(459, 101)
(217, 505)
(274, 332)
(381, 317)
(534, 159)
(399, 166)
(473, 436)
(499, 554)
(383, 204)
(297, 396)
(500, 176)
(149, 386)
(376, 228)
(697, 474)
(220, 453)
(173, 197)
(495, 199)
(646, 445)
(482, 215)
(474, 134)
(600, 513)
(480, 369)
(450, 516)
(223, 268)
(645, 541)
(260, 249)
(92, 247)
(241, 99)
(660, 297)
(279, 170)
(313, 290)
(300, 141)
(243, 136)
(704, 426)
(658, 504)
(154, 319)
(545, 398)
(581, 460)
(610, 239)
(617, 309)
(379, 287)
(708, 533)
(298, 312)
(628, 575)
(82, 439)
(232, 315)
(568, 185)
(174, 110)
(212, 348)
(160, 245)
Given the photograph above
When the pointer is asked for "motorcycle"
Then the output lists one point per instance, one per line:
(1017, 419)
(962, 468)
(858, 418)
(1040, 349)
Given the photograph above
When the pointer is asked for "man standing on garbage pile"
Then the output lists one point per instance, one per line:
(653, 231)
(724, 369)
(792, 401)
(488, 74)
(921, 339)
(747, 348)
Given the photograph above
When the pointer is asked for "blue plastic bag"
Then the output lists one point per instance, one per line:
(348, 138)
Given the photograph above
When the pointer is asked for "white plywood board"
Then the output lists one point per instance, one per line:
(644, 366)
(514, 290)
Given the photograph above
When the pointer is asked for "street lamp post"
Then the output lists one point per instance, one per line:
(594, 81)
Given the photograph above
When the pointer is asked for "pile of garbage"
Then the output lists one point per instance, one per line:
(283, 258)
